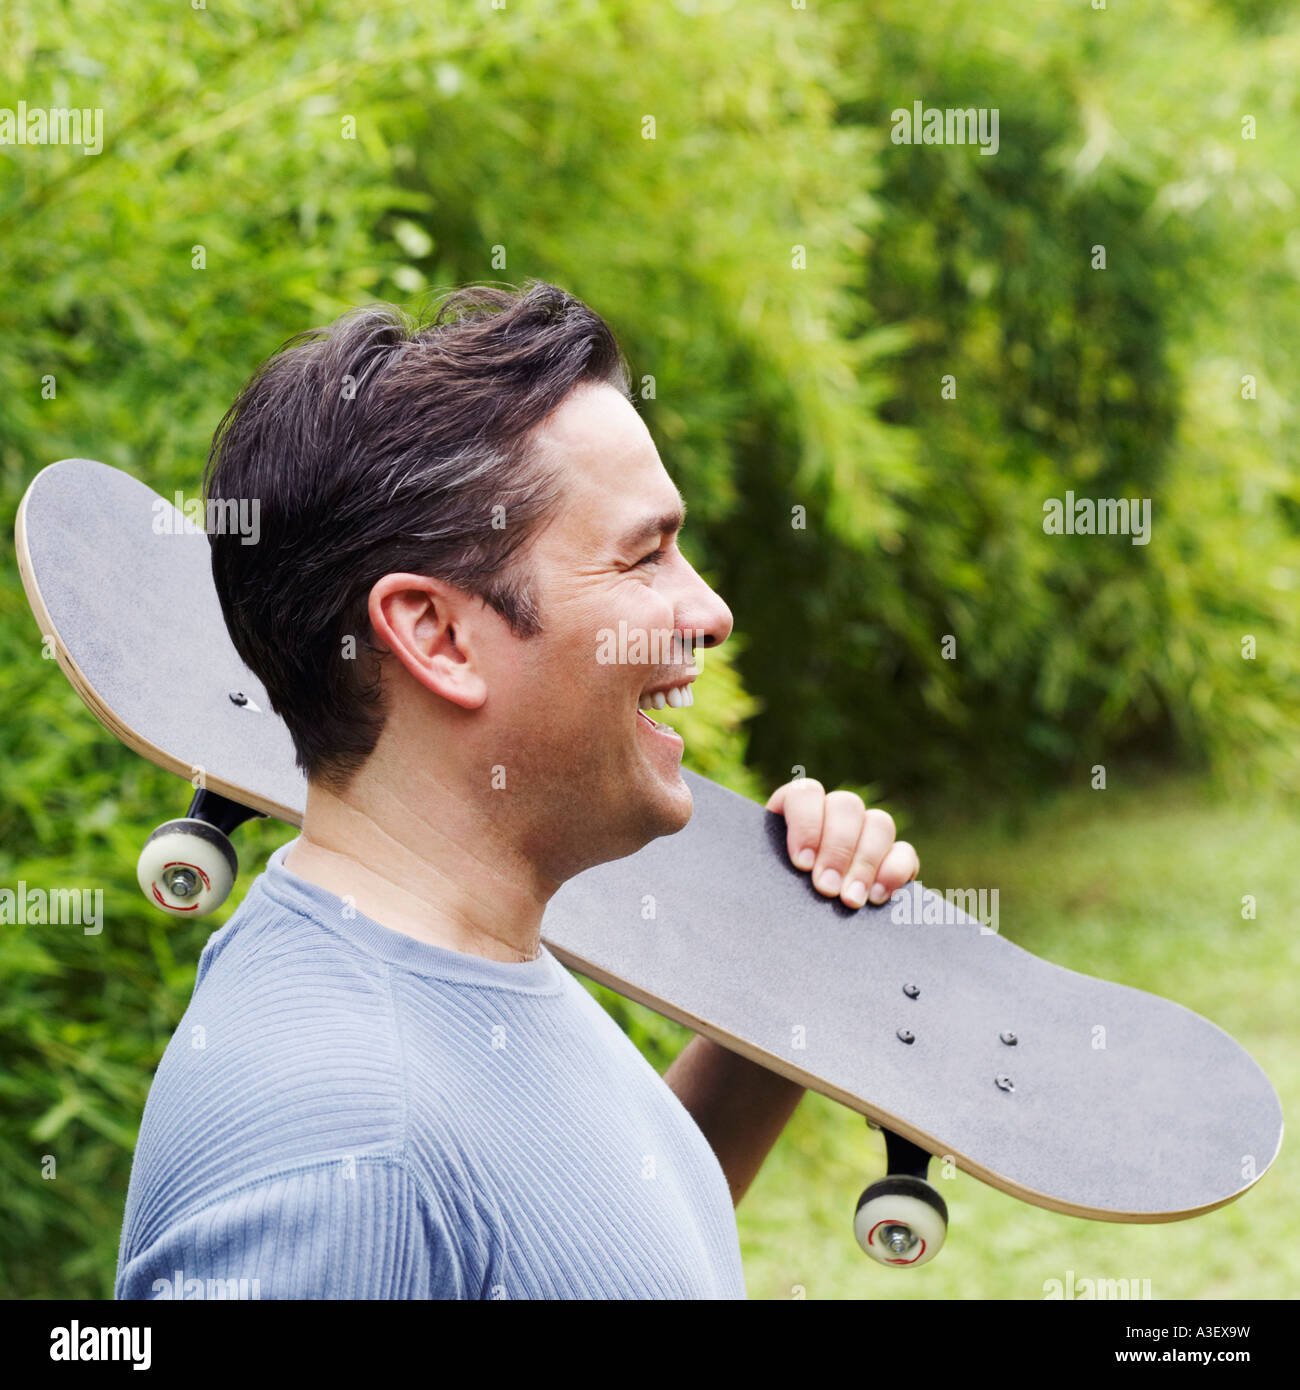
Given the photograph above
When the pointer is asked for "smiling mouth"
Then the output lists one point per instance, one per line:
(678, 696)
(665, 733)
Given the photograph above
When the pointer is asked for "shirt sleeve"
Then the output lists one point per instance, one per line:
(340, 1229)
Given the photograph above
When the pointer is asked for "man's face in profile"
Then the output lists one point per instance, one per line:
(608, 780)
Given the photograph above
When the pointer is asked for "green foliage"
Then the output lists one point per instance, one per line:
(775, 394)
(1122, 382)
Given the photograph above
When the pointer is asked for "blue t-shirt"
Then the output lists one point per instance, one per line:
(347, 1112)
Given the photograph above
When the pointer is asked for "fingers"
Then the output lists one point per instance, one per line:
(851, 851)
(899, 866)
(802, 804)
(861, 882)
(854, 840)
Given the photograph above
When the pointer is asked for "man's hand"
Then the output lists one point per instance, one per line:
(851, 851)
(740, 1106)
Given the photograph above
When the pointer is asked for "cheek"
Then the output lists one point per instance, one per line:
(600, 647)
(570, 682)
(649, 613)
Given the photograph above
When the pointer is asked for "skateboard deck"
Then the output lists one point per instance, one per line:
(1069, 1092)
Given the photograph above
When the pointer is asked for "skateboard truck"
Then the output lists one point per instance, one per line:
(188, 866)
(901, 1221)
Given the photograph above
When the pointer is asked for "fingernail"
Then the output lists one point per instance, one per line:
(857, 893)
(805, 859)
(879, 892)
(829, 882)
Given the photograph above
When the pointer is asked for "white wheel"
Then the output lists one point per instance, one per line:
(187, 868)
(901, 1222)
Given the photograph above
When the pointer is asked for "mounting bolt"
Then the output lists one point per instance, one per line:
(899, 1239)
(1009, 1038)
(911, 991)
(182, 880)
(906, 1035)
(1004, 1083)
(237, 697)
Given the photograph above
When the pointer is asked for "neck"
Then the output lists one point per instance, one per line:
(427, 860)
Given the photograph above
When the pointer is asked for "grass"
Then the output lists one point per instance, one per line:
(1142, 884)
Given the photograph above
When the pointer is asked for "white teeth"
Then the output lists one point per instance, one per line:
(679, 697)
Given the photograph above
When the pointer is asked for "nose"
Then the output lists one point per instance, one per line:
(702, 612)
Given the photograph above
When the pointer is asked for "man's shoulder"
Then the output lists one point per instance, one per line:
(278, 994)
(287, 1053)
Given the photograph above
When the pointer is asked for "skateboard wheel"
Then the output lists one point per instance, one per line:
(901, 1222)
(187, 868)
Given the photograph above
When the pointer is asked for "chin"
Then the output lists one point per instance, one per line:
(661, 811)
(671, 811)
(664, 813)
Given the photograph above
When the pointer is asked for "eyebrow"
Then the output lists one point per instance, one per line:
(667, 523)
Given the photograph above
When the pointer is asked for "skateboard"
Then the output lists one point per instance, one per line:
(1073, 1093)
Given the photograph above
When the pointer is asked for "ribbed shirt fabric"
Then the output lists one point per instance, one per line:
(347, 1112)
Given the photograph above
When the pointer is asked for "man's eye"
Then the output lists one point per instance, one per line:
(653, 556)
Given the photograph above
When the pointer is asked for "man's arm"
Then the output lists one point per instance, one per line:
(739, 1106)
(341, 1227)
(852, 854)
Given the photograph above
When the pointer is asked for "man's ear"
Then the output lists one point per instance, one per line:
(422, 622)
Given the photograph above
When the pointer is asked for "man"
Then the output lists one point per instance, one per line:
(384, 1086)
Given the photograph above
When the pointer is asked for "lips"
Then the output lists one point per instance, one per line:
(675, 696)
(663, 734)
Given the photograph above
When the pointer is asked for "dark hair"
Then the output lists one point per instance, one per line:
(381, 444)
